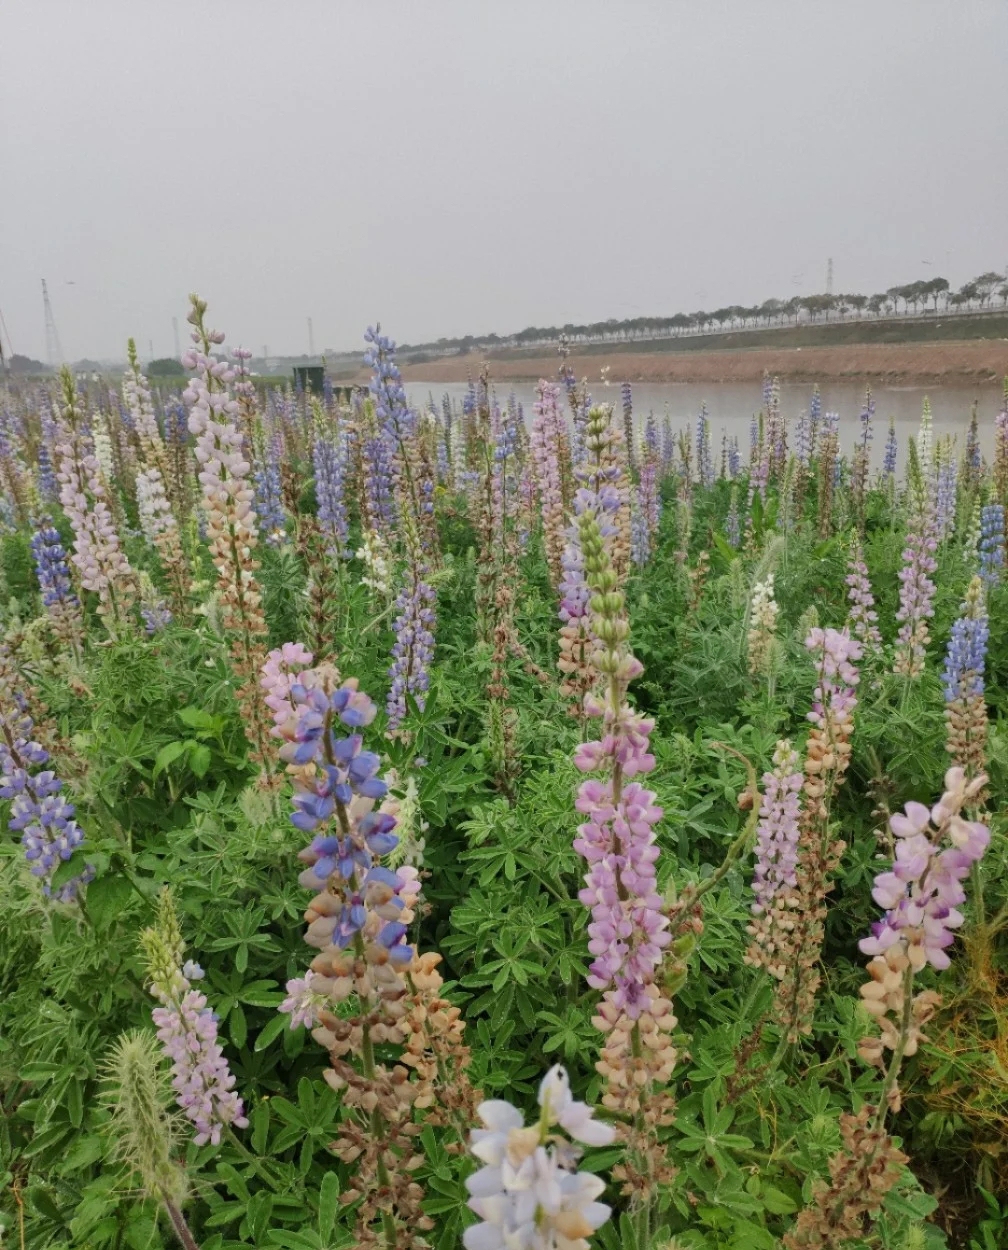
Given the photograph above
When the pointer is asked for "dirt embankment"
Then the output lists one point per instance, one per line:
(983, 360)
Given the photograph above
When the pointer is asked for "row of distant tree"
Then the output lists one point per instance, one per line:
(912, 299)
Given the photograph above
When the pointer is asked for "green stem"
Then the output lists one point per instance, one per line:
(897, 1058)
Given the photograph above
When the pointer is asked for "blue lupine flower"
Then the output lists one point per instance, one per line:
(992, 544)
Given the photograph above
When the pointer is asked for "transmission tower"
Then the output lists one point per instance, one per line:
(4, 361)
(265, 364)
(829, 276)
(54, 350)
(311, 339)
(174, 326)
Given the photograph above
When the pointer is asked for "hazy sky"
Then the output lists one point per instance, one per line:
(465, 167)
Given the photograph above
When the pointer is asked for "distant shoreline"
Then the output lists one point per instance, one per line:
(978, 361)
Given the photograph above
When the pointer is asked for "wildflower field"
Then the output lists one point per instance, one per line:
(464, 826)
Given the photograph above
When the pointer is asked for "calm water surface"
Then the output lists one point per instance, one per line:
(730, 407)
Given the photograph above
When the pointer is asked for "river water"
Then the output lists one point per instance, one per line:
(730, 406)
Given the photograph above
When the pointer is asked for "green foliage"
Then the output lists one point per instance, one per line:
(155, 757)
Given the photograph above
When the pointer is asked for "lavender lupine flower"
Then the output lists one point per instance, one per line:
(395, 418)
(733, 524)
(187, 1029)
(972, 458)
(640, 537)
(548, 446)
(777, 831)
(992, 544)
(626, 395)
(629, 928)
(413, 649)
(280, 672)
(923, 892)
(835, 653)
(803, 440)
(667, 445)
(966, 657)
(98, 555)
(48, 487)
(38, 811)
(753, 438)
(916, 587)
(51, 567)
(863, 617)
(925, 440)
(815, 413)
(891, 448)
(862, 451)
(362, 897)
(268, 502)
(528, 1192)
(330, 458)
(734, 458)
(947, 484)
(378, 482)
(705, 465)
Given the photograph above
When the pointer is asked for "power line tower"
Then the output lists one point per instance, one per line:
(311, 339)
(829, 276)
(54, 350)
(174, 326)
(265, 364)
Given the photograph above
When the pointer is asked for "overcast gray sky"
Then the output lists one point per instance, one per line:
(466, 167)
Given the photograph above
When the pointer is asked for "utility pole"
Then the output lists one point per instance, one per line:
(174, 326)
(311, 339)
(265, 359)
(54, 349)
(829, 276)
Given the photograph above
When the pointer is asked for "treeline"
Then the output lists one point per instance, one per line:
(911, 299)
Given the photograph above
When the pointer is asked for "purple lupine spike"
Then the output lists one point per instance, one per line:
(268, 502)
(945, 499)
(922, 892)
(201, 1078)
(992, 544)
(51, 566)
(413, 649)
(44, 818)
(330, 459)
(777, 831)
(891, 448)
(965, 659)
(863, 616)
(363, 897)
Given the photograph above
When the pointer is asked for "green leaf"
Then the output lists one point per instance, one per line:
(271, 1032)
(196, 718)
(328, 1204)
(168, 754)
(777, 1202)
(106, 900)
(199, 760)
